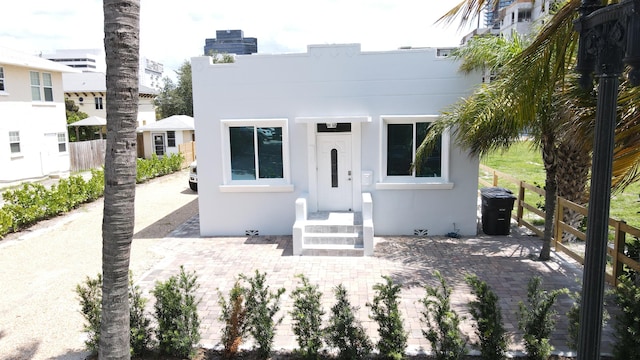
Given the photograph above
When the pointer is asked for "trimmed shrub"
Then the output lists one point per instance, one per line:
(573, 316)
(537, 319)
(90, 294)
(262, 306)
(91, 308)
(234, 317)
(487, 315)
(627, 329)
(443, 323)
(176, 311)
(307, 318)
(344, 331)
(6, 222)
(386, 312)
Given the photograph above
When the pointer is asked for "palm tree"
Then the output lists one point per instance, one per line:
(121, 42)
(536, 93)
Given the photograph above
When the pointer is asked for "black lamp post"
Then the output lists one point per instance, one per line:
(609, 38)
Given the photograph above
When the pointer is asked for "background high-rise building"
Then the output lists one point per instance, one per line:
(231, 42)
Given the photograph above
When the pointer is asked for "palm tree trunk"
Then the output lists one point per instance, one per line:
(550, 165)
(121, 41)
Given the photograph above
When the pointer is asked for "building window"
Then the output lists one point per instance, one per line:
(62, 142)
(41, 87)
(171, 138)
(403, 136)
(98, 103)
(256, 152)
(1, 78)
(35, 86)
(14, 141)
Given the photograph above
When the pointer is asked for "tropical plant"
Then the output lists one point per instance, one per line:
(307, 317)
(485, 311)
(122, 49)
(547, 104)
(385, 311)
(537, 318)
(344, 331)
(443, 323)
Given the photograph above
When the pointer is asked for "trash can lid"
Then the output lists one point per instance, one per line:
(497, 193)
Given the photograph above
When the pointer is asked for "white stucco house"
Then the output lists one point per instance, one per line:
(320, 145)
(163, 136)
(33, 124)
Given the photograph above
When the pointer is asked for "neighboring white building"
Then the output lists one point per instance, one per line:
(150, 72)
(332, 129)
(33, 125)
(89, 91)
(163, 136)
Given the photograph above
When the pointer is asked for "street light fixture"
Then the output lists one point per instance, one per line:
(609, 38)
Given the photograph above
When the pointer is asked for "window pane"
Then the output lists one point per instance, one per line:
(243, 162)
(431, 165)
(399, 149)
(62, 142)
(171, 138)
(35, 93)
(14, 136)
(334, 168)
(270, 153)
(48, 94)
(15, 147)
(35, 78)
(46, 79)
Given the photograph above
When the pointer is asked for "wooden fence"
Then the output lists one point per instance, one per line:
(525, 213)
(86, 155)
(189, 151)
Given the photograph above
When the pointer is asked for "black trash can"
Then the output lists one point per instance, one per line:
(497, 204)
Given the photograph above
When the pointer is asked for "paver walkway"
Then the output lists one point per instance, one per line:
(506, 263)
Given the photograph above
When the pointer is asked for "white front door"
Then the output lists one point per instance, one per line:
(335, 185)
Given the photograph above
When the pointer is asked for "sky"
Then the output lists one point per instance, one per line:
(171, 32)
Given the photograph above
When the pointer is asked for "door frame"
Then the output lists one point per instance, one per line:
(164, 143)
(356, 159)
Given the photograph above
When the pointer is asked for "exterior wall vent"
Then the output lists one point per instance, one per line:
(420, 232)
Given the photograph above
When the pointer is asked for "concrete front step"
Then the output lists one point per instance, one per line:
(323, 238)
(333, 229)
(332, 250)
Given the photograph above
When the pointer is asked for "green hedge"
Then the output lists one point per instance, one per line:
(33, 202)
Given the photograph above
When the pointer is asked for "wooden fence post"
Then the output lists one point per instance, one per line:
(520, 210)
(495, 178)
(619, 243)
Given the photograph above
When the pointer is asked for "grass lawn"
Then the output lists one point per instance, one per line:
(522, 162)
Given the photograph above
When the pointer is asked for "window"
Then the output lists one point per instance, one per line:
(171, 138)
(47, 87)
(256, 153)
(62, 142)
(14, 141)
(41, 87)
(98, 103)
(35, 86)
(403, 135)
(1, 78)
